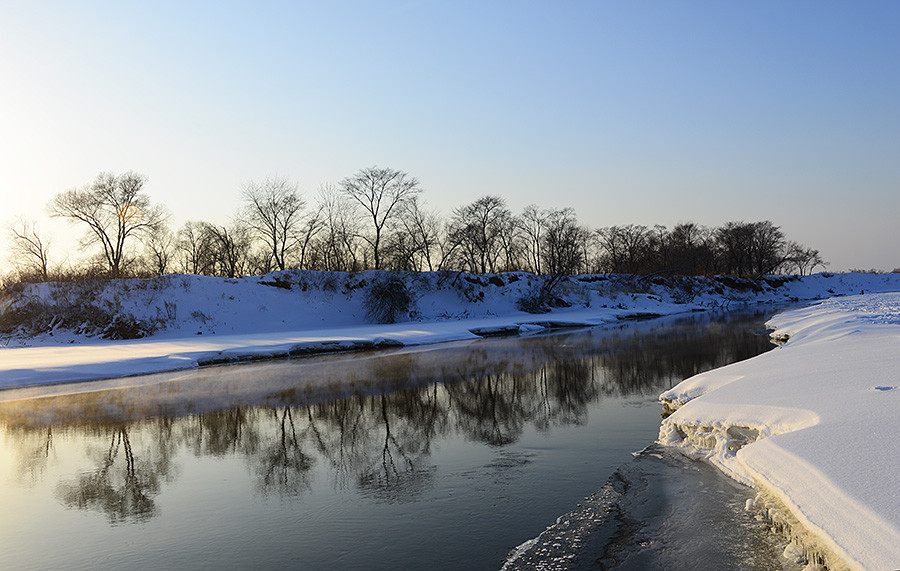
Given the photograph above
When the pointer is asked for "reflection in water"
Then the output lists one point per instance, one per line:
(370, 421)
(119, 486)
(282, 464)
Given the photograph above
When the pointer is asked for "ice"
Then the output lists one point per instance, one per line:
(660, 511)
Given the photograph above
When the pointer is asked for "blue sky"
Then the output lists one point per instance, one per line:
(630, 112)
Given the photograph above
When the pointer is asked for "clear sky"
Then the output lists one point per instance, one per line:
(630, 112)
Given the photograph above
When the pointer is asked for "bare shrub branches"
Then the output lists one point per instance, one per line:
(30, 251)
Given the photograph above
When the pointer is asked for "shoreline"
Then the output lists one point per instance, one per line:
(640, 513)
(23, 367)
(203, 321)
(810, 426)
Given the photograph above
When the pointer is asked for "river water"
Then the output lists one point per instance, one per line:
(440, 457)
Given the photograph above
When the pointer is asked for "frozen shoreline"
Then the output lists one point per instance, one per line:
(640, 513)
(53, 364)
(812, 426)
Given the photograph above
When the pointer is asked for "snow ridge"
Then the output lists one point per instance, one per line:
(812, 425)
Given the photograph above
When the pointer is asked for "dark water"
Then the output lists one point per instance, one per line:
(441, 457)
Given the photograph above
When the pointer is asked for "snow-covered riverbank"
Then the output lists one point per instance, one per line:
(813, 426)
(194, 320)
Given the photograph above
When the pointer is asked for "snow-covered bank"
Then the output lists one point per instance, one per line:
(54, 332)
(812, 425)
(103, 359)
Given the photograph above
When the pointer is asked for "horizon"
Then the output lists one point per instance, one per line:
(630, 114)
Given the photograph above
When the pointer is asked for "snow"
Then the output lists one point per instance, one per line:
(104, 359)
(812, 424)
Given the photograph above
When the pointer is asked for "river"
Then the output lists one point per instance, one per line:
(438, 457)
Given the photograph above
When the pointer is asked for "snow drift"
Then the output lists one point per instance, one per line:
(812, 425)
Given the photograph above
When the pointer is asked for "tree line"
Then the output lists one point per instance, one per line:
(376, 219)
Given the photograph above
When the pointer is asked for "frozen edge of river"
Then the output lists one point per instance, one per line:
(811, 426)
(639, 520)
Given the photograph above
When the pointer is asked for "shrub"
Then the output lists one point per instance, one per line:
(127, 327)
(387, 300)
(72, 306)
(532, 304)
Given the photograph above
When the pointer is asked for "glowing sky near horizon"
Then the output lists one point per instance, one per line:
(630, 112)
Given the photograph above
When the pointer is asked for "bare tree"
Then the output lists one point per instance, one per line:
(624, 248)
(159, 248)
(659, 249)
(532, 223)
(274, 211)
(562, 251)
(733, 241)
(476, 230)
(398, 252)
(380, 192)
(230, 246)
(750, 248)
(115, 210)
(416, 237)
(768, 250)
(311, 225)
(510, 236)
(691, 250)
(335, 247)
(194, 248)
(30, 251)
(258, 262)
(448, 249)
(803, 260)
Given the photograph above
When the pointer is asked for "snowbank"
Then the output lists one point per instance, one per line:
(812, 425)
(52, 333)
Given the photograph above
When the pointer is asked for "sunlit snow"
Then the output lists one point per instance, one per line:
(813, 424)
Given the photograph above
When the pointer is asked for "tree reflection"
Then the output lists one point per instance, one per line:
(492, 409)
(339, 433)
(224, 432)
(33, 452)
(399, 472)
(121, 486)
(280, 461)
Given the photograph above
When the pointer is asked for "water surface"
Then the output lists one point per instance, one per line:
(440, 457)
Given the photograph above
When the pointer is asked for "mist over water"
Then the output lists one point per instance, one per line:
(441, 457)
